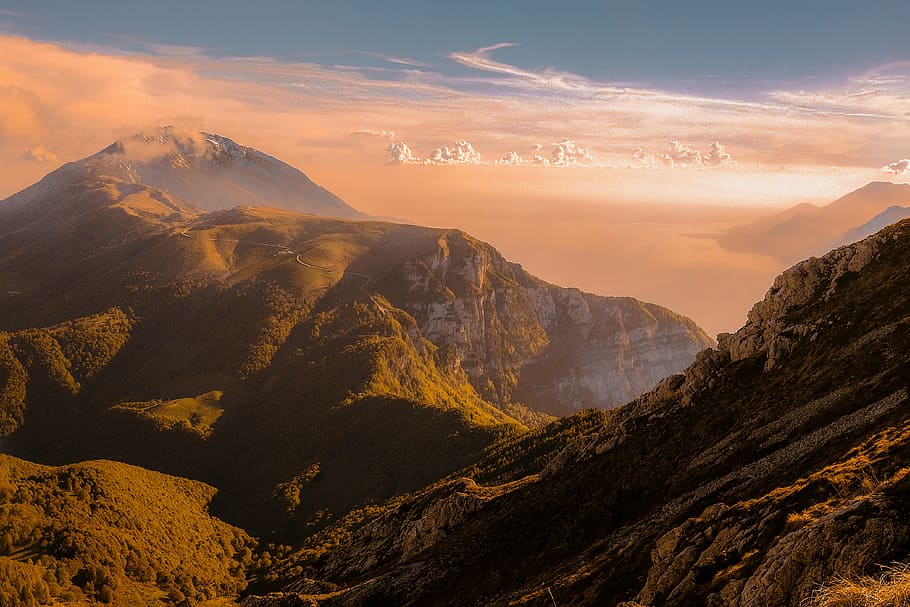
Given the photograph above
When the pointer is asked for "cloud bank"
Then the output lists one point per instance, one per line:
(681, 155)
(565, 152)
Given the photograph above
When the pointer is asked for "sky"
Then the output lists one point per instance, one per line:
(602, 118)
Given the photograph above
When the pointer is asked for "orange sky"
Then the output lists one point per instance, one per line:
(615, 224)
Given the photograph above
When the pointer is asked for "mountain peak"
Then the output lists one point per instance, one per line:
(208, 170)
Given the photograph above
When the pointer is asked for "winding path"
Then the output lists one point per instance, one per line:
(286, 250)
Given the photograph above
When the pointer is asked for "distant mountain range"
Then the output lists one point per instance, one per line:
(806, 230)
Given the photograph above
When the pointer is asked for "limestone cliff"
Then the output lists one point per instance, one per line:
(519, 339)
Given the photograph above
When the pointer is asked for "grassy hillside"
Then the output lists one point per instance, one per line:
(304, 366)
(106, 532)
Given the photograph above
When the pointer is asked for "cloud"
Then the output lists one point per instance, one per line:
(896, 168)
(567, 153)
(717, 155)
(644, 159)
(397, 60)
(400, 153)
(460, 153)
(681, 155)
(39, 153)
(173, 50)
(373, 133)
(511, 159)
(553, 80)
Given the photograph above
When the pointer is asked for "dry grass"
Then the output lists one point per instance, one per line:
(891, 589)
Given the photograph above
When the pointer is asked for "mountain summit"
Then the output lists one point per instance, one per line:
(211, 172)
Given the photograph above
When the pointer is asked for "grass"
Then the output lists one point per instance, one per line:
(199, 411)
(891, 589)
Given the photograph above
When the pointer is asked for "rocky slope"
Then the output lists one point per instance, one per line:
(775, 464)
(519, 339)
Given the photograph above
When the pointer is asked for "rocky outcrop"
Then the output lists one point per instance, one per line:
(519, 339)
(756, 554)
(401, 533)
(814, 280)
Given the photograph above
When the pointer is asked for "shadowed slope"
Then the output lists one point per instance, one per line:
(354, 360)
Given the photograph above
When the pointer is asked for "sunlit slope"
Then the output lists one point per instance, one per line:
(112, 533)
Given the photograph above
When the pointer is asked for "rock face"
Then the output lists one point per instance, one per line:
(813, 280)
(519, 339)
(775, 464)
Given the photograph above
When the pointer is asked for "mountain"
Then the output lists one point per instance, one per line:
(807, 230)
(772, 472)
(892, 214)
(301, 365)
(212, 172)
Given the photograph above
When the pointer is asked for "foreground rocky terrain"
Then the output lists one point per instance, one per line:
(776, 464)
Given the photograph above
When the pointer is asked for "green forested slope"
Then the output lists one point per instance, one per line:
(112, 533)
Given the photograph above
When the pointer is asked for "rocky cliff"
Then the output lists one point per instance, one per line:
(519, 339)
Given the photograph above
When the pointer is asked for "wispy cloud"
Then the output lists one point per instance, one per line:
(550, 79)
(39, 153)
(381, 134)
(397, 60)
(171, 50)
